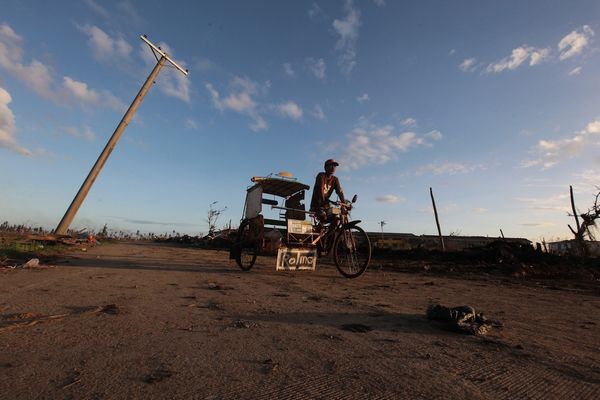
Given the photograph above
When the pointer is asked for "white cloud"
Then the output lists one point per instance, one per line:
(410, 122)
(575, 71)
(347, 31)
(86, 133)
(318, 113)
(518, 56)
(289, 110)
(97, 8)
(363, 98)
(7, 125)
(551, 152)
(317, 67)
(240, 100)
(575, 42)
(40, 78)
(447, 168)
(288, 70)
(390, 198)
(369, 144)
(452, 52)
(80, 91)
(468, 65)
(480, 210)
(103, 45)
(379, 3)
(434, 135)
(170, 81)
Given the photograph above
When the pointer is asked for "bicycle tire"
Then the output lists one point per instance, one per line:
(352, 251)
(247, 249)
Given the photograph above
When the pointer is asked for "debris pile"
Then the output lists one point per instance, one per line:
(462, 319)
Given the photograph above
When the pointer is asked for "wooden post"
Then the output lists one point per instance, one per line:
(501, 233)
(437, 221)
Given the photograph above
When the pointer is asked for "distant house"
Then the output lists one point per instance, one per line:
(565, 247)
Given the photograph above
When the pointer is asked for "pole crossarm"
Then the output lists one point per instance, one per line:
(156, 49)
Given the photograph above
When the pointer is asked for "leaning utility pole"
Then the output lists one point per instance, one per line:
(66, 220)
(437, 221)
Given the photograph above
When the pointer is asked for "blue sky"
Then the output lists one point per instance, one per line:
(493, 104)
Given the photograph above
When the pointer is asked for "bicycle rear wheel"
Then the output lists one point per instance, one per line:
(246, 247)
(352, 251)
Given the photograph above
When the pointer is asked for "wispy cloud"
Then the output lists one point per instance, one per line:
(558, 202)
(410, 122)
(347, 32)
(370, 144)
(575, 71)
(447, 168)
(288, 70)
(390, 198)
(85, 133)
(103, 45)
(317, 112)
(317, 67)
(363, 98)
(379, 3)
(97, 8)
(190, 123)
(240, 99)
(7, 126)
(575, 42)
(468, 65)
(551, 152)
(290, 110)
(170, 81)
(519, 56)
(40, 78)
(316, 14)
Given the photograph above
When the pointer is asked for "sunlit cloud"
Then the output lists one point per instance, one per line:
(390, 198)
(575, 42)
(552, 152)
(369, 144)
(519, 56)
(104, 46)
(447, 168)
(290, 110)
(240, 99)
(347, 32)
(7, 126)
(40, 78)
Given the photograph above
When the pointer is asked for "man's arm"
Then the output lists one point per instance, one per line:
(338, 190)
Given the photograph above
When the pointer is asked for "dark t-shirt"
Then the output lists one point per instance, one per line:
(323, 189)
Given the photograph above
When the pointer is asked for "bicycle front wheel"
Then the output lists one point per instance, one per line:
(352, 251)
(246, 247)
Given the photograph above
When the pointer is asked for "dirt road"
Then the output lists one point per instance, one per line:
(139, 321)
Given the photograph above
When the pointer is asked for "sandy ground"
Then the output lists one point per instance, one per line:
(188, 324)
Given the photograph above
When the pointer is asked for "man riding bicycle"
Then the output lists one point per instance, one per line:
(325, 184)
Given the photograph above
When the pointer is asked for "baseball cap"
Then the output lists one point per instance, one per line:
(331, 161)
